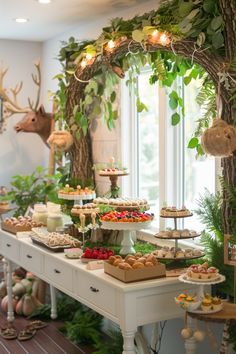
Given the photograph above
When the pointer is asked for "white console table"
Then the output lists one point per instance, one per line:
(129, 305)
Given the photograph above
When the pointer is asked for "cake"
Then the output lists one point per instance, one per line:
(174, 212)
(216, 303)
(206, 304)
(112, 172)
(4, 205)
(202, 272)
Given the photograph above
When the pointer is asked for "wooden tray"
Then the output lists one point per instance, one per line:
(14, 229)
(53, 249)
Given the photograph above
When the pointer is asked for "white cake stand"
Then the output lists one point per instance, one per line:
(201, 283)
(128, 227)
(78, 198)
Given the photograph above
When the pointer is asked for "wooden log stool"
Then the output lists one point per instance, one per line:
(227, 316)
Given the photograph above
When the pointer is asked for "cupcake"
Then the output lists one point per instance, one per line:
(175, 233)
(216, 303)
(206, 304)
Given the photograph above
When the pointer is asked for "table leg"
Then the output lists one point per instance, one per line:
(128, 338)
(53, 302)
(10, 312)
(190, 343)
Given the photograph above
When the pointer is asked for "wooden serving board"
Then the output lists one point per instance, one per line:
(14, 229)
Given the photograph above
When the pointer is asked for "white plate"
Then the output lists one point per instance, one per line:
(201, 312)
(109, 225)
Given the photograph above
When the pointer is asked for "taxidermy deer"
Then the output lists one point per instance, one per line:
(36, 119)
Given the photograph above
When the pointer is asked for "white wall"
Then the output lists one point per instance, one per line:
(19, 153)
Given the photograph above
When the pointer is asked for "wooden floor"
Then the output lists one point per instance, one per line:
(46, 341)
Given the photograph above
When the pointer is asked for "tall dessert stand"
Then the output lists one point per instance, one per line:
(127, 243)
(177, 238)
(114, 182)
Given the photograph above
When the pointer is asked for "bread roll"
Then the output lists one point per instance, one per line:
(142, 260)
(117, 261)
(138, 265)
(111, 259)
(149, 264)
(131, 260)
(124, 265)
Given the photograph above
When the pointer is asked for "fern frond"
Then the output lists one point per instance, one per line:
(209, 213)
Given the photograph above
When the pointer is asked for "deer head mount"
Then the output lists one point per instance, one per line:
(36, 119)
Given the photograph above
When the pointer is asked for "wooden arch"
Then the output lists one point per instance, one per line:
(81, 154)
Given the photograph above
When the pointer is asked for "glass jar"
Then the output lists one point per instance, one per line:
(40, 213)
(54, 222)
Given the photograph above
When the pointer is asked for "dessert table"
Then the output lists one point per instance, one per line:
(128, 304)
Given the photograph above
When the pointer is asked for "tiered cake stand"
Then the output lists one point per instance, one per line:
(200, 294)
(114, 179)
(177, 238)
(127, 242)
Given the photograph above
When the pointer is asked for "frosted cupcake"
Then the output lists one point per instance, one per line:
(216, 303)
(206, 304)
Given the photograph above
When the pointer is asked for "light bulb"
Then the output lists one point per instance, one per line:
(83, 63)
(164, 39)
(89, 56)
(155, 33)
(21, 20)
(111, 44)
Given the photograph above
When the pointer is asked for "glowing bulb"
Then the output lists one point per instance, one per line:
(111, 44)
(89, 56)
(164, 39)
(21, 20)
(83, 63)
(155, 33)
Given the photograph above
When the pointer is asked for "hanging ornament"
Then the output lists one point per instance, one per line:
(60, 140)
(219, 139)
(186, 333)
(199, 335)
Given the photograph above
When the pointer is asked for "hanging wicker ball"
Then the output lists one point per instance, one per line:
(60, 140)
(219, 139)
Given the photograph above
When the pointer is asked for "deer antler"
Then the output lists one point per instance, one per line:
(10, 104)
(37, 80)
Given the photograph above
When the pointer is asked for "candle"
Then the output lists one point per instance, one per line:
(112, 161)
(82, 220)
(93, 217)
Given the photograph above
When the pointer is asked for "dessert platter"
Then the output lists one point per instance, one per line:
(201, 275)
(53, 241)
(123, 203)
(176, 234)
(170, 253)
(19, 224)
(77, 194)
(209, 304)
(128, 221)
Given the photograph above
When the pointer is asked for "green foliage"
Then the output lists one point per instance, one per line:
(85, 326)
(113, 343)
(30, 189)
(209, 213)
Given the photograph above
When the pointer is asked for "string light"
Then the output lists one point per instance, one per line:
(89, 56)
(164, 39)
(83, 63)
(155, 34)
(111, 44)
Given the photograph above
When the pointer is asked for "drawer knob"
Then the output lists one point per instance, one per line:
(94, 290)
(29, 256)
(57, 271)
(8, 245)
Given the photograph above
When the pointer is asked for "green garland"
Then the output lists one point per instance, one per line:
(199, 21)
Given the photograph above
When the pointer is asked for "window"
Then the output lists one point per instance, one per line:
(162, 168)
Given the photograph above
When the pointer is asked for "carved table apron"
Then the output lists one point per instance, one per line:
(129, 305)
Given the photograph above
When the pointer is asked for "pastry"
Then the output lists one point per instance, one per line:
(216, 303)
(174, 212)
(206, 304)
(176, 233)
(185, 233)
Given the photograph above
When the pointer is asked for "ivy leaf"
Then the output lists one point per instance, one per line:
(217, 40)
(185, 8)
(193, 13)
(140, 106)
(209, 6)
(173, 100)
(216, 22)
(138, 36)
(200, 150)
(193, 143)
(187, 80)
(113, 96)
(88, 100)
(175, 118)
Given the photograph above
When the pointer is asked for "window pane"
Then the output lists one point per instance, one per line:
(198, 173)
(148, 143)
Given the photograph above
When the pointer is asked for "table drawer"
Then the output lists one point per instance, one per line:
(10, 248)
(59, 273)
(31, 259)
(95, 292)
